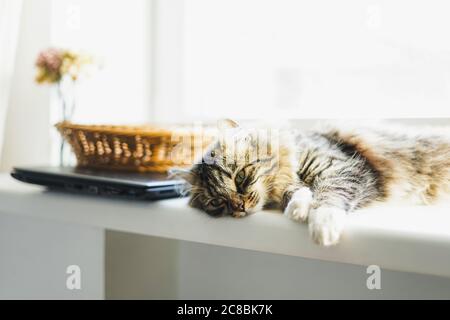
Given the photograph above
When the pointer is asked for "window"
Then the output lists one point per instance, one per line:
(175, 60)
(314, 59)
(116, 32)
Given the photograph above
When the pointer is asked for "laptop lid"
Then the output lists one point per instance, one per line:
(154, 185)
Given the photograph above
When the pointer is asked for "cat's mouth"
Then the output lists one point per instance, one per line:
(239, 214)
(241, 210)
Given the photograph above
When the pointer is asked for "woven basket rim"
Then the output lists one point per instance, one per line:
(144, 129)
(132, 147)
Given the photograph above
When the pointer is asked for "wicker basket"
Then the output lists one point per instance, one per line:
(135, 148)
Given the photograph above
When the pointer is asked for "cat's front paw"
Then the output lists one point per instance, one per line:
(299, 205)
(326, 225)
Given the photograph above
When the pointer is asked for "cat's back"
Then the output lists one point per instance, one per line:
(412, 162)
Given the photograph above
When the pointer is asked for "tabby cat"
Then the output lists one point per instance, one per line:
(317, 176)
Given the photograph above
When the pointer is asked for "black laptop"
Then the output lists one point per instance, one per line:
(145, 186)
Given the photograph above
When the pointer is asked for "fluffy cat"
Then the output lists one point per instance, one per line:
(317, 176)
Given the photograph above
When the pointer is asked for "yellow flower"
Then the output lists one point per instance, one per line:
(53, 64)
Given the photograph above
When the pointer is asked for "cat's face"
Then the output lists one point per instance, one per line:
(232, 176)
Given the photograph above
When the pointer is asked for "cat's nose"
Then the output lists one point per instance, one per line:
(238, 205)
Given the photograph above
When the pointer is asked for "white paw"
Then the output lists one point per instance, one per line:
(298, 207)
(326, 225)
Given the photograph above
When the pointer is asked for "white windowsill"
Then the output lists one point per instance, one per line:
(404, 238)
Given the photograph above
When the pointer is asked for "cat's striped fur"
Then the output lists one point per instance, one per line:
(318, 176)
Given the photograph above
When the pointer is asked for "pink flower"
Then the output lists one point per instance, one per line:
(50, 59)
(53, 64)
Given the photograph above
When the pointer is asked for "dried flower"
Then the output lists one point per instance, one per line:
(48, 64)
(53, 64)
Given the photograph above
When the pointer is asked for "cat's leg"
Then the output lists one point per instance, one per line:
(324, 212)
(326, 224)
(297, 203)
(333, 198)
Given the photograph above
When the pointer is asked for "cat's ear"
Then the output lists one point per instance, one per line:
(184, 174)
(224, 124)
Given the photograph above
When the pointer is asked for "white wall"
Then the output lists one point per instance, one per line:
(141, 267)
(27, 124)
(35, 254)
(116, 33)
(211, 272)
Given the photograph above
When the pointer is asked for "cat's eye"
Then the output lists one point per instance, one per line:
(216, 202)
(240, 177)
